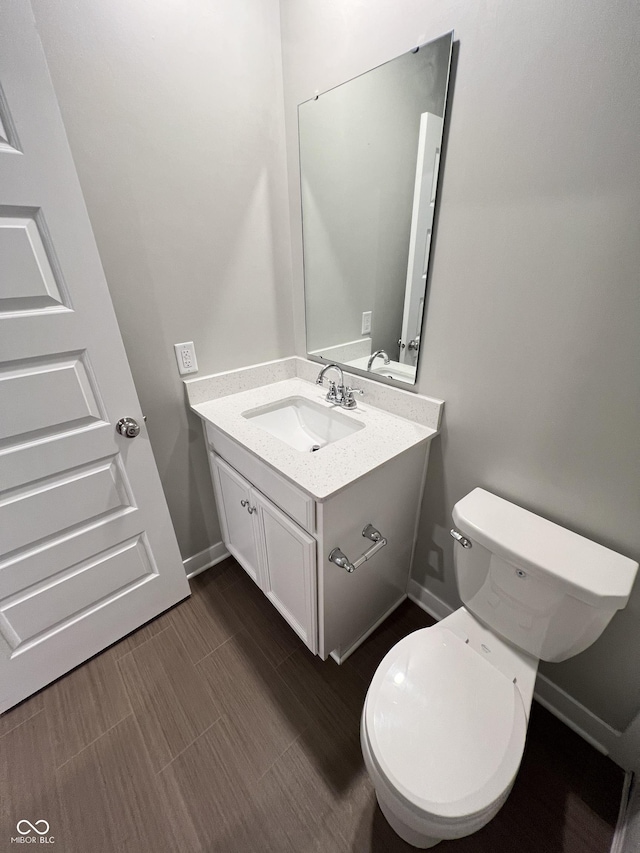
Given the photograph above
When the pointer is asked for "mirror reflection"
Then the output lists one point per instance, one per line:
(369, 162)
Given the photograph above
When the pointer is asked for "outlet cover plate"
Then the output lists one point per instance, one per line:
(186, 358)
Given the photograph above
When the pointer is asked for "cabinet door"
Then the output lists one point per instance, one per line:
(289, 570)
(240, 527)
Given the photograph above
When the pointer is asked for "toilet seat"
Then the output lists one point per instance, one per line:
(445, 728)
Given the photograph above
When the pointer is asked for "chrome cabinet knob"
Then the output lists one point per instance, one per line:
(128, 427)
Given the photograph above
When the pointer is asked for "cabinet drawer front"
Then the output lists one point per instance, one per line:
(297, 504)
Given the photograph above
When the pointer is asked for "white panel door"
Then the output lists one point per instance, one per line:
(238, 517)
(289, 572)
(87, 549)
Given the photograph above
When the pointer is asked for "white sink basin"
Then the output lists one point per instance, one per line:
(303, 424)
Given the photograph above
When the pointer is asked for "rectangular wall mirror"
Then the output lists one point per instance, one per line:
(369, 162)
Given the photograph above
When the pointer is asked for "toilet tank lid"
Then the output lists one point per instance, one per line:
(591, 572)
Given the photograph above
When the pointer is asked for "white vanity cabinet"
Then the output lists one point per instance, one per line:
(274, 551)
(282, 537)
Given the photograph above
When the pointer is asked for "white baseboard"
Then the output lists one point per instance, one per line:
(429, 602)
(585, 723)
(627, 825)
(205, 559)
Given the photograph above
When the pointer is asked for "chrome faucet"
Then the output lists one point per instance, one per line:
(334, 394)
(341, 395)
(375, 355)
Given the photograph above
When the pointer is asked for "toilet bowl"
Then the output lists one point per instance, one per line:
(443, 728)
(445, 718)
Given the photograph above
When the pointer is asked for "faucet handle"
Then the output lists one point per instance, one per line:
(348, 400)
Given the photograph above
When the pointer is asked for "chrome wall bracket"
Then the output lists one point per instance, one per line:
(340, 558)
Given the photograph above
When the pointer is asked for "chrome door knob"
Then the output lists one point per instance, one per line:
(128, 427)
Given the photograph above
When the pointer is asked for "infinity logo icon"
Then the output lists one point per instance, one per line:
(32, 827)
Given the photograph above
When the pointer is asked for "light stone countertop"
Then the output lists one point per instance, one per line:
(334, 466)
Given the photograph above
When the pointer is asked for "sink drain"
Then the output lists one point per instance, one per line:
(314, 448)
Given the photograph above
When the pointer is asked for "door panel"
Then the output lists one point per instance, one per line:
(44, 382)
(74, 591)
(289, 572)
(238, 525)
(87, 549)
(28, 282)
(51, 507)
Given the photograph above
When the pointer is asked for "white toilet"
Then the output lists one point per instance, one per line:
(446, 714)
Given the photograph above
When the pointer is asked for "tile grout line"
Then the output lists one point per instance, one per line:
(95, 740)
(123, 680)
(17, 725)
(282, 754)
(181, 644)
(132, 712)
(144, 642)
(217, 649)
(211, 651)
(290, 655)
(244, 630)
(283, 683)
(130, 690)
(197, 737)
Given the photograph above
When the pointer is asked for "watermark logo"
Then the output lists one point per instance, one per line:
(33, 833)
(32, 828)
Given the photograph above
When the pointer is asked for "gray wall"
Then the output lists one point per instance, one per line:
(175, 119)
(534, 304)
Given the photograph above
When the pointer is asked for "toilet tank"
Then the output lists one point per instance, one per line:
(545, 589)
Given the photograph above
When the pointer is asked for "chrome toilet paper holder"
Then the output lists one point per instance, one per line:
(340, 558)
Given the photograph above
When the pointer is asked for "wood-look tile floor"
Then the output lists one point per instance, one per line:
(212, 728)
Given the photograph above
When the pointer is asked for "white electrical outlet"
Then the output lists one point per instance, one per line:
(366, 322)
(186, 358)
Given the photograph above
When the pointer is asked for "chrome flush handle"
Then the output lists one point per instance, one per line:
(462, 540)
